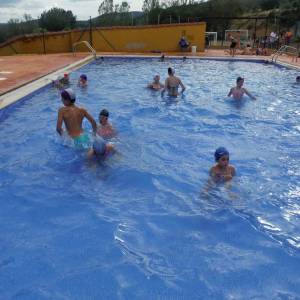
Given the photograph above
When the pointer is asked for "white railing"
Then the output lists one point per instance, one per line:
(284, 49)
(88, 45)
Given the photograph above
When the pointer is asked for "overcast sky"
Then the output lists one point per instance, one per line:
(81, 8)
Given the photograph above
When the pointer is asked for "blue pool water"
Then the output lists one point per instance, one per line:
(144, 224)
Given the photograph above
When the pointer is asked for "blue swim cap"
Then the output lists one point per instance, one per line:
(221, 151)
(83, 76)
(99, 146)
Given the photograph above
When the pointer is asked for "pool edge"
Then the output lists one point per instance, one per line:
(11, 97)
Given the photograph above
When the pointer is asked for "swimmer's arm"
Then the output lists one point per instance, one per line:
(182, 86)
(230, 92)
(59, 122)
(91, 120)
(249, 94)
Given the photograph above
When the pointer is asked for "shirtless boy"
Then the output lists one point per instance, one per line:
(156, 85)
(222, 171)
(238, 91)
(72, 116)
(105, 128)
(172, 83)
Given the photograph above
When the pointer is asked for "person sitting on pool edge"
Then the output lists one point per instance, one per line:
(105, 128)
(72, 116)
(156, 85)
(184, 44)
(238, 91)
(82, 81)
(222, 171)
(100, 149)
(172, 83)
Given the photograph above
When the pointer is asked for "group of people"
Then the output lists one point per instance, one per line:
(99, 146)
(72, 116)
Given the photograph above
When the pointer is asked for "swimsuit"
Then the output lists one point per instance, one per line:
(82, 142)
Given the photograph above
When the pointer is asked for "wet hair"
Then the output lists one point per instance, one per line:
(83, 76)
(170, 71)
(239, 79)
(68, 95)
(221, 151)
(104, 112)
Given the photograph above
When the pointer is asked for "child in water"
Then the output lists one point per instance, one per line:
(105, 128)
(156, 85)
(100, 149)
(82, 82)
(61, 81)
(238, 91)
(72, 116)
(222, 171)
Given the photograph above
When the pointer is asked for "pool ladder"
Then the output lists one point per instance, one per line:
(88, 45)
(284, 49)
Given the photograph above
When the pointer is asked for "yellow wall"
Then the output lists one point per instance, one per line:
(120, 39)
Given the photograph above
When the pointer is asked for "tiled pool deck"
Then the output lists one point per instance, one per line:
(16, 71)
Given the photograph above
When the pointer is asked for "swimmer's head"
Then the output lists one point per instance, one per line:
(99, 146)
(221, 154)
(103, 116)
(156, 78)
(298, 79)
(171, 71)
(83, 77)
(68, 95)
(66, 75)
(240, 81)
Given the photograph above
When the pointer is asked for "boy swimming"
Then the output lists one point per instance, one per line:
(156, 85)
(72, 116)
(100, 149)
(82, 82)
(172, 83)
(238, 91)
(105, 128)
(222, 171)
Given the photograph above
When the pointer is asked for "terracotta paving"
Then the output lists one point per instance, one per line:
(18, 70)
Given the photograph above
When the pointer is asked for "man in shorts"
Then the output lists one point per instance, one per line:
(72, 116)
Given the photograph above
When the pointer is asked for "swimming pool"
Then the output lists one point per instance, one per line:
(143, 225)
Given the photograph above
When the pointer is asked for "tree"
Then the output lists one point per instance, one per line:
(150, 5)
(106, 7)
(57, 19)
(124, 7)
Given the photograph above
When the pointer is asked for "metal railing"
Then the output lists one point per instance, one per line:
(88, 45)
(284, 49)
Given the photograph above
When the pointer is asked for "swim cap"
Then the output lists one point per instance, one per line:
(68, 94)
(221, 151)
(66, 75)
(99, 146)
(83, 76)
(104, 112)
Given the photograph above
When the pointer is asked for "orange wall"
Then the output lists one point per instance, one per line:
(120, 39)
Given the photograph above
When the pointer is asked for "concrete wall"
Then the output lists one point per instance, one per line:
(111, 39)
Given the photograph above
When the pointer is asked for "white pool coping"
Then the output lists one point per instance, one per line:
(18, 93)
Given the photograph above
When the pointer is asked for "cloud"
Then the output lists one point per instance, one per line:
(9, 3)
(81, 8)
